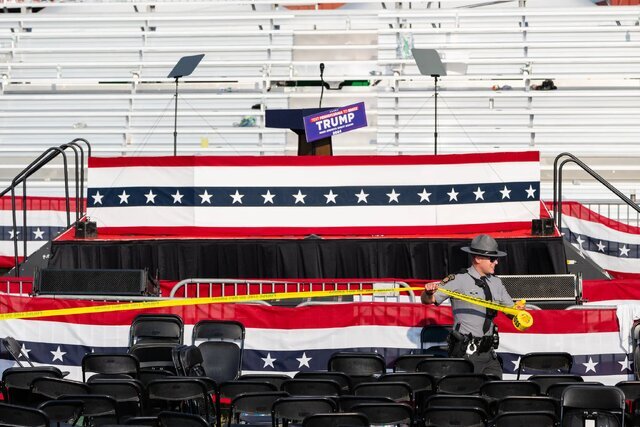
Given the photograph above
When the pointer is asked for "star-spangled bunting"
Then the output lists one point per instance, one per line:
(314, 196)
(317, 359)
(606, 247)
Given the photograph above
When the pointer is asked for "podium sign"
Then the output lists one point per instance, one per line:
(332, 122)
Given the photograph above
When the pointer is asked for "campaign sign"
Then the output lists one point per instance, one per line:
(335, 121)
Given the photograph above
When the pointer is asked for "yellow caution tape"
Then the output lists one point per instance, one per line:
(107, 308)
(522, 319)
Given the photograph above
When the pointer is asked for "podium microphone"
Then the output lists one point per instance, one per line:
(321, 83)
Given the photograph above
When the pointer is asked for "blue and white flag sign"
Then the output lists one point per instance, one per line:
(335, 121)
(329, 195)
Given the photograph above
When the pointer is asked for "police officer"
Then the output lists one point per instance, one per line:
(474, 335)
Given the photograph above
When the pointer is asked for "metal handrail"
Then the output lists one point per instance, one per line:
(557, 185)
(33, 167)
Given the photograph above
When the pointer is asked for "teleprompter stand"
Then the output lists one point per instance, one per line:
(184, 67)
(429, 64)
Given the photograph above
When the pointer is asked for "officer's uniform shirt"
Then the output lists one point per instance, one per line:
(469, 316)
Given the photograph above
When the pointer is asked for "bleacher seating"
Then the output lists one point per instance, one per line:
(98, 70)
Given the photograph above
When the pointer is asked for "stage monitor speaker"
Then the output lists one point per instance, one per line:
(542, 227)
(94, 282)
(86, 229)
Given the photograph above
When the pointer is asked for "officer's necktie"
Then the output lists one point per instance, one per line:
(490, 313)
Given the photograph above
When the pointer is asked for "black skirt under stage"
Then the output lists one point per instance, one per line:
(420, 258)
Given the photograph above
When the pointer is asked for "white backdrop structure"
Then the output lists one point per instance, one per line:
(98, 70)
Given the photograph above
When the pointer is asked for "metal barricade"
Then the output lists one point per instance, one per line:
(203, 288)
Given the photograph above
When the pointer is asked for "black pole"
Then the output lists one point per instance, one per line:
(435, 116)
(175, 123)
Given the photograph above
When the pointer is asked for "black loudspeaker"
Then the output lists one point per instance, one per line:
(86, 229)
(542, 227)
(94, 282)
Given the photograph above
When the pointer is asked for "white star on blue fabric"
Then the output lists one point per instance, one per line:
(299, 197)
(424, 196)
(531, 192)
(601, 246)
(177, 198)
(479, 194)
(580, 241)
(304, 361)
(624, 251)
(24, 350)
(268, 361)
(505, 193)
(516, 364)
(626, 364)
(362, 196)
(206, 197)
(124, 197)
(393, 196)
(151, 197)
(57, 355)
(237, 197)
(97, 198)
(331, 197)
(453, 195)
(38, 234)
(268, 197)
(13, 236)
(590, 365)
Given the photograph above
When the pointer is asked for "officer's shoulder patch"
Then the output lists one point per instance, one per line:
(449, 278)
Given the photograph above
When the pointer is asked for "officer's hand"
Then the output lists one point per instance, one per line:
(520, 305)
(431, 288)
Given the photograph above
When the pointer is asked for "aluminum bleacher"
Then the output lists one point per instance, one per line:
(98, 70)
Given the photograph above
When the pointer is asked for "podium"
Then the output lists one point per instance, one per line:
(293, 119)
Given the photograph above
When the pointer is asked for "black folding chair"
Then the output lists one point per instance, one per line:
(110, 366)
(504, 388)
(275, 379)
(455, 417)
(433, 339)
(16, 382)
(545, 363)
(525, 419)
(66, 412)
(438, 367)
(461, 383)
(545, 380)
(221, 343)
(128, 393)
(351, 419)
(14, 348)
(396, 390)
(409, 362)
(155, 329)
(341, 378)
(528, 404)
(454, 401)
(174, 419)
(387, 413)
(604, 405)
(181, 394)
(16, 415)
(253, 408)
(310, 387)
(295, 409)
(339, 419)
(360, 367)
